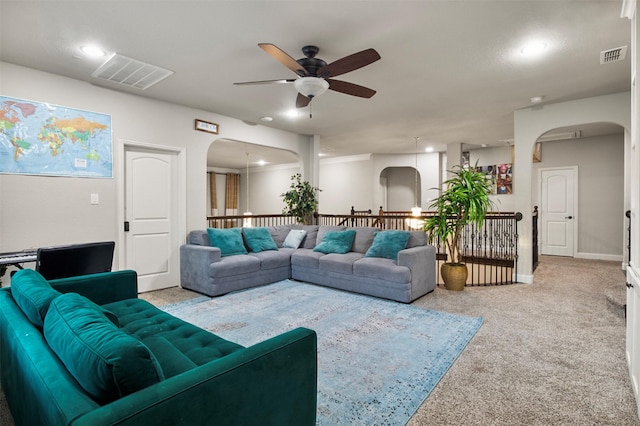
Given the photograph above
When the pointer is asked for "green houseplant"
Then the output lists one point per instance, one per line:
(301, 200)
(464, 201)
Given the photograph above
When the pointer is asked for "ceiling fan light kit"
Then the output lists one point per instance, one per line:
(311, 86)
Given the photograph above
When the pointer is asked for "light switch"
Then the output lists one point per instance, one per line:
(95, 199)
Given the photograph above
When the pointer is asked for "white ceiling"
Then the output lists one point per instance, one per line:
(451, 71)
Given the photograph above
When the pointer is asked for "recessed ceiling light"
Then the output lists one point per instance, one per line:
(267, 119)
(92, 51)
(537, 99)
(533, 48)
(261, 163)
(429, 149)
(484, 145)
(292, 113)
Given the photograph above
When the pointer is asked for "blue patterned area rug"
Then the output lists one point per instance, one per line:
(378, 360)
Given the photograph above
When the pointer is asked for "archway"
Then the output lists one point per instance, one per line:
(264, 173)
(402, 188)
(529, 124)
(592, 156)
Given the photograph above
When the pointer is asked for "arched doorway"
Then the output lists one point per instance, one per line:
(578, 184)
(262, 174)
(401, 187)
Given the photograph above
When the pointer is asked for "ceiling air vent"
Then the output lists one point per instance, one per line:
(131, 72)
(613, 55)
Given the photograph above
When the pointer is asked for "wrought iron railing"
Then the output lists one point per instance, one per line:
(490, 251)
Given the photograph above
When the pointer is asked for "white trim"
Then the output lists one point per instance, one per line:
(345, 159)
(628, 9)
(599, 256)
(526, 279)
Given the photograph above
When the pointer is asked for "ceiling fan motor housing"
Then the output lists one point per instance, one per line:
(310, 62)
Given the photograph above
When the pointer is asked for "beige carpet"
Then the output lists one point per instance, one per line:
(548, 353)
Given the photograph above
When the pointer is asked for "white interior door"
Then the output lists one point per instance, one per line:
(557, 211)
(151, 216)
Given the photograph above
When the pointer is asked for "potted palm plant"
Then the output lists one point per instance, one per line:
(301, 200)
(464, 201)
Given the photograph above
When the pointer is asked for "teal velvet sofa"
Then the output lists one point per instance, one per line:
(86, 351)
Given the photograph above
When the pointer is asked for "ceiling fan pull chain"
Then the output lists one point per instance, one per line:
(310, 112)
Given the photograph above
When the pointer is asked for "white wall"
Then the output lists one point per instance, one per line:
(600, 215)
(345, 182)
(266, 184)
(38, 211)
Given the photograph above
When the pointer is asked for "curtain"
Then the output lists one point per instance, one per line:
(213, 194)
(232, 194)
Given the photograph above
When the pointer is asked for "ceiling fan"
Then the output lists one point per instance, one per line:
(315, 75)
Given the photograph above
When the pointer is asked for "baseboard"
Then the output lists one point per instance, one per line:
(599, 256)
(526, 279)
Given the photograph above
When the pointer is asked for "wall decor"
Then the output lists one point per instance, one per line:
(206, 126)
(38, 138)
(500, 177)
(503, 179)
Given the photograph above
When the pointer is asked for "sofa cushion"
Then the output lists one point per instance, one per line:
(336, 242)
(229, 241)
(198, 237)
(311, 238)
(388, 244)
(106, 361)
(273, 258)
(322, 230)
(306, 258)
(232, 266)
(279, 233)
(177, 345)
(294, 238)
(363, 239)
(417, 238)
(341, 263)
(32, 294)
(258, 239)
(381, 269)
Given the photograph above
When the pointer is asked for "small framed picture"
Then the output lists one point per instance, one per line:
(206, 126)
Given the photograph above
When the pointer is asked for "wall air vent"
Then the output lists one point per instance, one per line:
(131, 72)
(560, 136)
(613, 55)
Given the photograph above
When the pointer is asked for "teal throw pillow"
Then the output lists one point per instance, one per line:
(106, 361)
(259, 239)
(388, 244)
(229, 241)
(336, 242)
(32, 294)
(294, 238)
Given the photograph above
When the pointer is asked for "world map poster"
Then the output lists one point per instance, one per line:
(38, 138)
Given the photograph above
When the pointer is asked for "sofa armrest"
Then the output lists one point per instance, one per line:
(101, 288)
(421, 261)
(271, 383)
(194, 263)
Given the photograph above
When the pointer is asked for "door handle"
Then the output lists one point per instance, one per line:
(568, 217)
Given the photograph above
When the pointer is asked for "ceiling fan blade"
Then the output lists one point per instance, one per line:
(280, 56)
(350, 88)
(302, 101)
(349, 63)
(282, 81)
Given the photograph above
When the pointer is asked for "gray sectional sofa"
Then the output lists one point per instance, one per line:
(409, 275)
